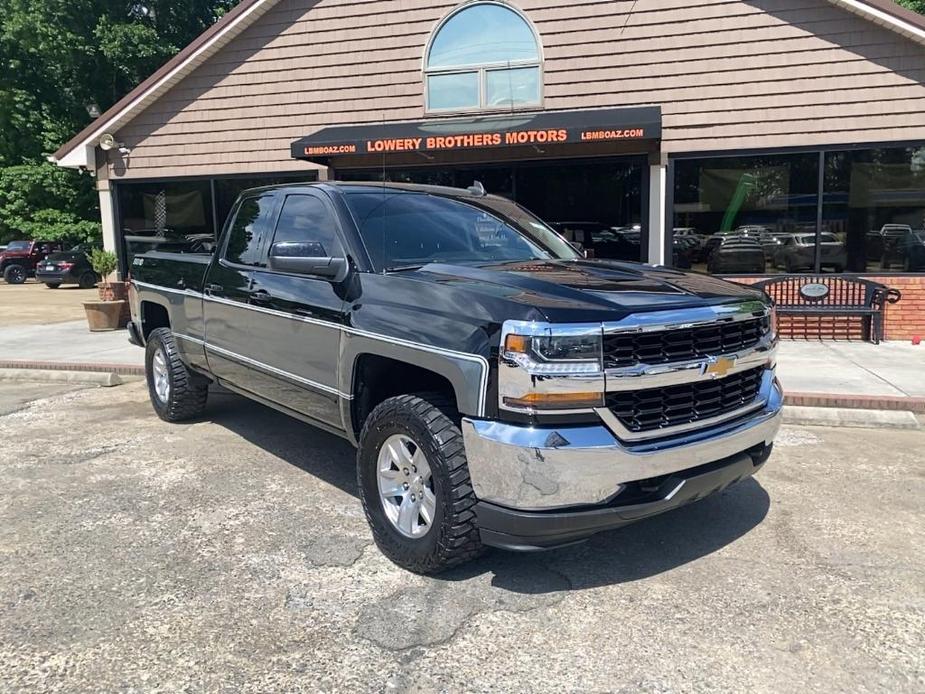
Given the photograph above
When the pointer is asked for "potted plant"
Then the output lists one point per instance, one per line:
(109, 313)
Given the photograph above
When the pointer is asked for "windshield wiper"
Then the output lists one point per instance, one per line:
(403, 268)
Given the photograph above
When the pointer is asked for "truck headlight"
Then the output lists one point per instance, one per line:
(546, 367)
(564, 353)
(769, 323)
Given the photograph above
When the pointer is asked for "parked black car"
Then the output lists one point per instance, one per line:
(736, 254)
(67, 267)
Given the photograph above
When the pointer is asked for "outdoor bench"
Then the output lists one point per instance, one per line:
(834, 301)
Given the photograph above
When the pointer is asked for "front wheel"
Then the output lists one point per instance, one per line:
(14, 274)
(414, 483)
(176, 393)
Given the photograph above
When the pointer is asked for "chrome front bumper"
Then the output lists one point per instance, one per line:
(544, 468)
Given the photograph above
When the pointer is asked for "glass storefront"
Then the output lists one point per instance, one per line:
(875, 204)
(761, 214)
(181, 215)
(736, 215)
(595, 204)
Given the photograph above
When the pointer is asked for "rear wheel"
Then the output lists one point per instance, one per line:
(414, 483)
(176, 393)
(87, 280)
(14, 274)
(52, 285)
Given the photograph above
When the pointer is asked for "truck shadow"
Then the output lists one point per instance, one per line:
(641, 550)
(634, 552)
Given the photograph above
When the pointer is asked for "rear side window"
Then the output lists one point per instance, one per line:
(247, 230)
(306, 219)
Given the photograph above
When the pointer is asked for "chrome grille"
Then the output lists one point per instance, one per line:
(622, 349)
(659, 408)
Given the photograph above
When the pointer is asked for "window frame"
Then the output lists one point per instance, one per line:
(270, 238)
(482, 69)
(270, 223)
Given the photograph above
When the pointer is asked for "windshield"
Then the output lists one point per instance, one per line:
(18, 245)
(408, 229)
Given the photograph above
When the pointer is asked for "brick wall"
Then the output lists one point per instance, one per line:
(904, 319)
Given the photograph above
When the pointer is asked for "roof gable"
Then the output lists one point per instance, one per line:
(79, 151)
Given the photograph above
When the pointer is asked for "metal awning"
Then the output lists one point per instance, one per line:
(546, 131)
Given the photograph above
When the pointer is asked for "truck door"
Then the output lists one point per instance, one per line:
(230, 332)
(301, 314)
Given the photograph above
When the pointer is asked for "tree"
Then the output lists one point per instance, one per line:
(914, 5)
(60, 58)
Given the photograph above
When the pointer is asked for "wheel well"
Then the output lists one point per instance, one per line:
(153, 316)
(379, 378)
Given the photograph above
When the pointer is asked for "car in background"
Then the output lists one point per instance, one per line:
(68, 267)
(598, 240)
(912, 248)
(798, 253)
(771, 243)
(695, 241)
(733, 255)
(19, 259)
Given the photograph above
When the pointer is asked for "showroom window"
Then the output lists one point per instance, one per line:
(483, 56)
(749, 215)
(871, 220)
(874, 202)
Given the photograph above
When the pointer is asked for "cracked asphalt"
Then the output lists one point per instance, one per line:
(231, 555)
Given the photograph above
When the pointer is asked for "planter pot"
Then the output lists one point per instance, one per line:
(114, 291)
(104, 315)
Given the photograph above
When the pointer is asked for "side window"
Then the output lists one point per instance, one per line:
(305, 220)
(247, 230)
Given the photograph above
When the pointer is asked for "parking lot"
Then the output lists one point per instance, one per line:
(33, 303)
(232, 555)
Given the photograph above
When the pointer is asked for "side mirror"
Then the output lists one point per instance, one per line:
(307, 258)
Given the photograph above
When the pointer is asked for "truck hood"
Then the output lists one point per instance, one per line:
(592, 286)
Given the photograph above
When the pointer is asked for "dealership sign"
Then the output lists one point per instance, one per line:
(545, 128)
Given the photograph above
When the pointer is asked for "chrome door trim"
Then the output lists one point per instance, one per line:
(482, 361)
(240, 358)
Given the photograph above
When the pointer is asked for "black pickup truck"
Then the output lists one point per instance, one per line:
(501, 390)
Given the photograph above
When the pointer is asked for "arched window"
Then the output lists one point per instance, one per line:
(483, 56)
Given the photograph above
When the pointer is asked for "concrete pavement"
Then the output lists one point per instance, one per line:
(68, 342)
(232, 555)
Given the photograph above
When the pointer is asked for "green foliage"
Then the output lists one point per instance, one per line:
(40, 200)
(914, 5)
(103, 262)
(59, 57)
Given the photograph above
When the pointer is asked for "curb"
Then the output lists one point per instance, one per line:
(855, 418)
(106, 379)
(856, 402)
(120, 369)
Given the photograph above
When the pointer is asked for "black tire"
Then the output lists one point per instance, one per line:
(87, 280)
(15, 274)
(188, 391)
(453, 538)
(52, 285)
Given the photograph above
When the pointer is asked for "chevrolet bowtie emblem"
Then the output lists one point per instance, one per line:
(720, 367)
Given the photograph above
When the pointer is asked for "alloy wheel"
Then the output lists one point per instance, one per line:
(161, 376)
(406, 487)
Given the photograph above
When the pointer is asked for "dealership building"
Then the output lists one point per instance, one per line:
(797, 123)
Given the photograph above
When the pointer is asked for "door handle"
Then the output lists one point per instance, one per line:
(214, 289)
(261, 296)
